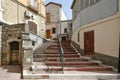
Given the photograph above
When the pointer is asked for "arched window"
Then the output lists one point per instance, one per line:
(32, 27)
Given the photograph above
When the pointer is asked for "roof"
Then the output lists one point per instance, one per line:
(73, 3)
(54, 4)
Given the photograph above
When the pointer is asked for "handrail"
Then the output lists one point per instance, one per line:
(61, 53)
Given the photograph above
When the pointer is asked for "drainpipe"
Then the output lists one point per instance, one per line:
(119, 40)
(118, 8)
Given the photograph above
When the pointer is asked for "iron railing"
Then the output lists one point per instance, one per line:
(61, 53)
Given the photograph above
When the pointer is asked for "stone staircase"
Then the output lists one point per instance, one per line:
(47, 63)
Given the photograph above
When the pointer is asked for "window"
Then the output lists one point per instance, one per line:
(47, 17)
(86, 3)
(97, 1)
(82, 4)
(33, 43)
(53, 30)
(91, 2)
(33, 3)
(65, 30)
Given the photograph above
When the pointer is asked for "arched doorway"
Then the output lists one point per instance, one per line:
(14, 53)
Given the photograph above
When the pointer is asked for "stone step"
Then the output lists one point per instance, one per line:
(84, 68)
(58, 59)
(80, 76)
(59, 53)
(71, 64)
(55, 55)
(67, 59)
(58, 48)
(65, 49)
(57, 45)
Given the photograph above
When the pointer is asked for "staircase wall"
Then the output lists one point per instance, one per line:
(36, 40)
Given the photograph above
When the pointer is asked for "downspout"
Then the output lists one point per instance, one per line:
(118, 7)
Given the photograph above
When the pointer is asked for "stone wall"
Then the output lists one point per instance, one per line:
(108, 60)
(10, 34)
(27, 50)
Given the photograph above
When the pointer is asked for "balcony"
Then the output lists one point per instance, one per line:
(34, 6)
(76, 23)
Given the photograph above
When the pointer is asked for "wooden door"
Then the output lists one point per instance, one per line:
(64, 38)
(48, 36)
(89, 43)
(14, 53)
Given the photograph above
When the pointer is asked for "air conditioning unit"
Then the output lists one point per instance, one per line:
(27, 14)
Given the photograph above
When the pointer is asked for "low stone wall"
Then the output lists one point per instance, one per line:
(108, 60)
(105, 59)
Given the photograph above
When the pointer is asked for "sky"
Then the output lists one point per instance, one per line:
(66, 4)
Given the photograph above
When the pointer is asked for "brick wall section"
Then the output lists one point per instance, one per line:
(12, 32)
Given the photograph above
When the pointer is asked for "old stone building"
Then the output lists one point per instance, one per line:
(54, 16)
(66, 29)
(18, 17)
(25, 11)
(12, 44)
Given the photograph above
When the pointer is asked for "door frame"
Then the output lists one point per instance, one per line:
(11, 61)
(88, 34)
(9, 51)
(49, 32)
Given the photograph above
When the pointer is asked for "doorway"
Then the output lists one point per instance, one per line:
(48, 36)
(89, 43)
(64, 38)
(14, 53)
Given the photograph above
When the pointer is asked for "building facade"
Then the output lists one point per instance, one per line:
(66, 29)
(96, 29)
(18, 17)
(54, 16)
(31, 12)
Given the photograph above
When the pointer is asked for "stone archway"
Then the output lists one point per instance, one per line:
(14, 53)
